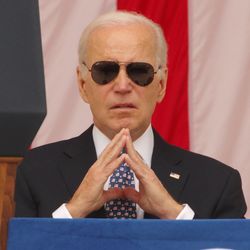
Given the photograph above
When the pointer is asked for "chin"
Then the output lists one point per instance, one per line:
(124, 124)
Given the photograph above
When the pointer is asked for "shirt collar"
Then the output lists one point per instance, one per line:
(143, 145)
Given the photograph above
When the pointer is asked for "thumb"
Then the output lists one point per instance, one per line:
(112, 194)
(131, 194)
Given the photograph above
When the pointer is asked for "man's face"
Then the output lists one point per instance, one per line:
(122, 103)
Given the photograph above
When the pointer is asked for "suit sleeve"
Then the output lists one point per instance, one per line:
(25, 205)
(232, 202)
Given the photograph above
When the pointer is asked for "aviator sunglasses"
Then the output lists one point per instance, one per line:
(141, 73)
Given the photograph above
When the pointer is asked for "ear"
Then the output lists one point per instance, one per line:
(82, 84)
(162, 84)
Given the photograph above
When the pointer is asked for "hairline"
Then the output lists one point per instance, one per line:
(123, 18)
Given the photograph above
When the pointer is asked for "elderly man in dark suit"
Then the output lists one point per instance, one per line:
(120, 167)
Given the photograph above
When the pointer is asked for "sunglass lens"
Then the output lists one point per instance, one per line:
(104, 72)
(141, 73)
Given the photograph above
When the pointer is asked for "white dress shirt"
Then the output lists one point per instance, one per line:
(144, 146)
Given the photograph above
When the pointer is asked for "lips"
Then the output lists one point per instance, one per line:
(123, 106)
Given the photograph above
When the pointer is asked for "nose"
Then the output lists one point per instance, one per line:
(122, 82)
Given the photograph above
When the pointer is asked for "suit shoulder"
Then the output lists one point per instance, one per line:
(47, 156)
(204, 163)
(192, 160)
(71, 145)
(49, 150)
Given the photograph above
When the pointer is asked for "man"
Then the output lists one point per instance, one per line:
(122, 75)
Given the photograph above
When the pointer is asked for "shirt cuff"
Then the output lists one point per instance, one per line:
(186, 213)
(61, 213)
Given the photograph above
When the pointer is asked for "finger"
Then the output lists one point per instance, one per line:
(131, 194)
(141, 170)
(110, 168)
(112, 194)
(116, 140)
(113, 149)
(136, 162)
(99, 174)
(131, 150)
(108, 160)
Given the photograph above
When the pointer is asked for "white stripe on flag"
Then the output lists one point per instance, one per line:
(61, 25)
(219, 82)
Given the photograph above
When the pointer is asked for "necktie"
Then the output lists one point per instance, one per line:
(121, 209)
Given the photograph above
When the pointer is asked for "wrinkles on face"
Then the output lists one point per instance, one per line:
(122, 103)
(120, 44)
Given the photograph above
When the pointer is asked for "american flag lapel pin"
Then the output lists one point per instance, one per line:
(175, 175)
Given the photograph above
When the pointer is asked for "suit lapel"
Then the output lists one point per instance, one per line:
(166, 165)
(78, 157)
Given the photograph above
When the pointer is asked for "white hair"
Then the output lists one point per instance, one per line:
(123, 18)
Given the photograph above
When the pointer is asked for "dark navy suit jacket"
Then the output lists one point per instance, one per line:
(49, 175)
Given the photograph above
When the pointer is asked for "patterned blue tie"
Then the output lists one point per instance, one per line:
(121, 209)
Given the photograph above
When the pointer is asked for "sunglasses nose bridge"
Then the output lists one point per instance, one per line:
(124, 68)
(122, 80)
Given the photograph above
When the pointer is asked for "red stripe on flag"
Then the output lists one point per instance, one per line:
(171, 116)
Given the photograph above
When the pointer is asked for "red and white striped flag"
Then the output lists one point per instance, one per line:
(207, 105)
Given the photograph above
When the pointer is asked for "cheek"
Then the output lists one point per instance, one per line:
(152, 96)
(97, 95)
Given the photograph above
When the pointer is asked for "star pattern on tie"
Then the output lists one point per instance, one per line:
(121, 209)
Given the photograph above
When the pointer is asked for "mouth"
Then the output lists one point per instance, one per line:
(123, 106)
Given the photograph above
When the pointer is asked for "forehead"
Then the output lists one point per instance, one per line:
(123, 42)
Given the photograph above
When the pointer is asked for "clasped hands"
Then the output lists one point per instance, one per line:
(152, 197)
